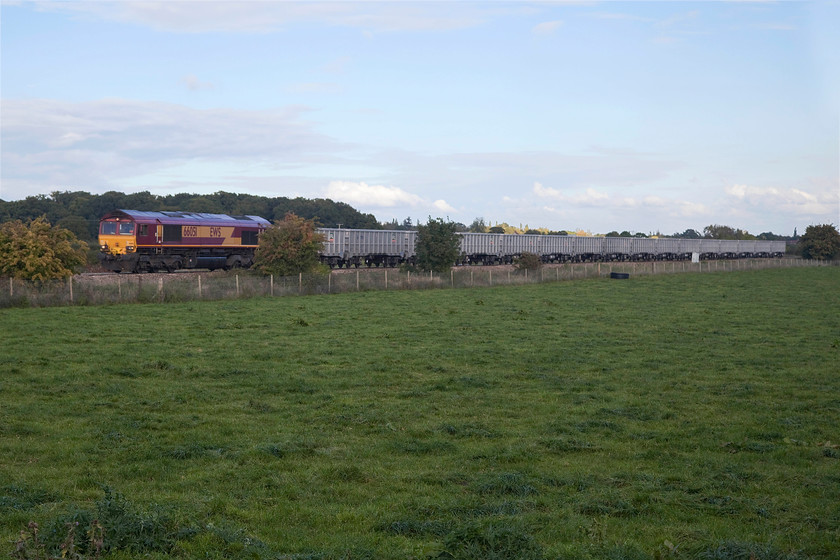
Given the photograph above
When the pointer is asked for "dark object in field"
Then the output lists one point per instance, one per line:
(620, 275)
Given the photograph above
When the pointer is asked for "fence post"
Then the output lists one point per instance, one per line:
(70, 282)
(300, 283)
(329, 283)
(357, 279)
(491, 277)
(199, 286)
(160, 288)
(452, 277)
(386, 278)
(11, 287)
(237, 285)
(271, 285)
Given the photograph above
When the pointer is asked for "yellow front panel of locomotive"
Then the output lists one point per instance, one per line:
(118, 244)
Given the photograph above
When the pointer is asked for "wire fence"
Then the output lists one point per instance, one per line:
(101, 289)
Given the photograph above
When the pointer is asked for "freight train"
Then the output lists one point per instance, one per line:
(356, 247)
(134, 241)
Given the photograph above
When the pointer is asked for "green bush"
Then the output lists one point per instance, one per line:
(820, 242)
(289, 247)
(527, 261)
(438, 245)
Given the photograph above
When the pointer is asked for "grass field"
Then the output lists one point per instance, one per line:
(675, 416)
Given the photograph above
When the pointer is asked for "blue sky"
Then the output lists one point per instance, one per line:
(639, 116)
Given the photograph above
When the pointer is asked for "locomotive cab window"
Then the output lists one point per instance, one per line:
(144, 229)
(126, 228)
(108, 228)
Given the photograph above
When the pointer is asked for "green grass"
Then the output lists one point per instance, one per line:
(674, 416)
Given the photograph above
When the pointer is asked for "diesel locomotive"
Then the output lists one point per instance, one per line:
(135, 241)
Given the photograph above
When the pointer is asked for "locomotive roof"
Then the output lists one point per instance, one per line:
(188, 217)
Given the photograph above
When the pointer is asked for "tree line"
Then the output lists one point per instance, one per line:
(79, 211)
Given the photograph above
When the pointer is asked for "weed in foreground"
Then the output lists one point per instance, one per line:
(30, 546)
(478, 541)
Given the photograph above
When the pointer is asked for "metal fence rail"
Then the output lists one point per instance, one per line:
(100, 289)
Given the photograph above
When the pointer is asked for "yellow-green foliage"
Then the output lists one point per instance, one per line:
(289, 247)
(39, 252)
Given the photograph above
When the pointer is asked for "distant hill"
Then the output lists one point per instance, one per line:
(80, 211)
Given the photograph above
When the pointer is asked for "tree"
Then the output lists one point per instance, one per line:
(39, 252)
(820, 242)
(715, 231)
(79, 226)
(290, 246)
(438, 245)
(478, 226)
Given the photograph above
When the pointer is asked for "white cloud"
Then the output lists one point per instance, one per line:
(792, 200)
(588, 197)
(49, 144)
(443, 206)
(194, 84)
(620, 16)
(199, 16)
(314, 87)
(547, 27)
(336, 66)
(593, 198)
(371, 195)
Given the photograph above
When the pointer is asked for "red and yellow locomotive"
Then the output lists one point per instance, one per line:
(135, 241)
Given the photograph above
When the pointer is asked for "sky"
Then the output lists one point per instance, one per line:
(641, 116)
